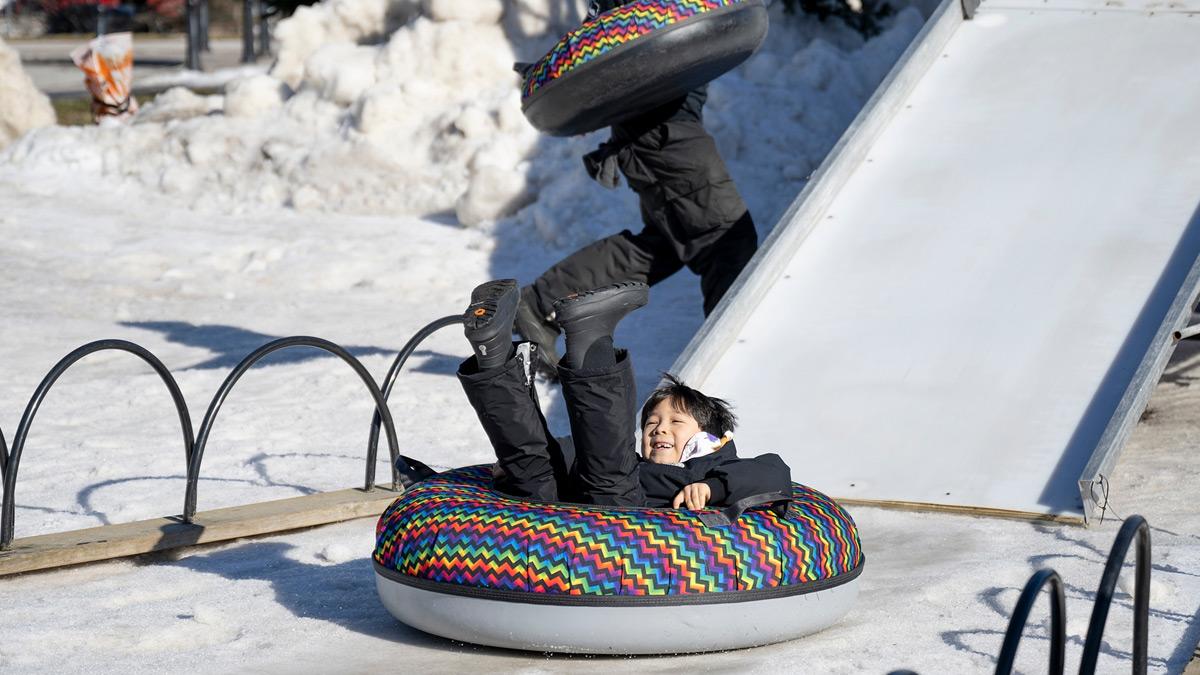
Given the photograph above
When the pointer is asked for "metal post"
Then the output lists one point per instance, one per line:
(8, 18)
(101, 20)
(247, 31)
(192, 57)
(264, 30)
(204, 26)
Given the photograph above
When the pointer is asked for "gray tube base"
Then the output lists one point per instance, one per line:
(646, 629)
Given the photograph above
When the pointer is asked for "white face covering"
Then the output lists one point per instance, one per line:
(703, 444)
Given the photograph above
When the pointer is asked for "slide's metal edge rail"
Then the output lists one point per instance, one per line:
(1092, 482)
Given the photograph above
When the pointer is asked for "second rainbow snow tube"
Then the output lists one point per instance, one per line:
(636, 57)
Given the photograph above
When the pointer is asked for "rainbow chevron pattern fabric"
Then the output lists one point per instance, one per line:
(454, 528)
(610, 30)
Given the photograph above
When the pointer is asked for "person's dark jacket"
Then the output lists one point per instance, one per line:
(730, 478)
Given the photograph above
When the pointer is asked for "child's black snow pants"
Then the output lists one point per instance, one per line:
(601, 407)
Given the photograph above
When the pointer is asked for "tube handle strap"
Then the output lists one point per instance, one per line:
(412, 471)
(724, 517)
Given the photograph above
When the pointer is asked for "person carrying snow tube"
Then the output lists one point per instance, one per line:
(692, 213)
(687, 456)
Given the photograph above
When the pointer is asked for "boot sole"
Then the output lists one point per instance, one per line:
(503, 294)
(491, 289)
(588, 304)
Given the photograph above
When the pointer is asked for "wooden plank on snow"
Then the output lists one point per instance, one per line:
(59, 549)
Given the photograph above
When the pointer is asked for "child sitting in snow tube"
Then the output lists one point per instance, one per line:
(687, 456)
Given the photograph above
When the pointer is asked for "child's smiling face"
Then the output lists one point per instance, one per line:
(667, 430)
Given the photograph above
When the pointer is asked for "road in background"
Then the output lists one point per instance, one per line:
(157, 62)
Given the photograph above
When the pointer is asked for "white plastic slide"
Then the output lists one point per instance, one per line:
(970, 301)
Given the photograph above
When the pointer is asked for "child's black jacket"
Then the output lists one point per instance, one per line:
(731, 478)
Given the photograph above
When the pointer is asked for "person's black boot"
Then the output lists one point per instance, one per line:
(589, 318)
(488, 322)
(533, 327)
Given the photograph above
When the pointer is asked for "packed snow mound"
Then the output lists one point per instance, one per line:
(411, 107)
(334, 22)
(22, 106)
(255, 96)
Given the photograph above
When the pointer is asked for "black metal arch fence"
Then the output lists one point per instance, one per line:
(13, 456)
(1134, 526)
(194, 444)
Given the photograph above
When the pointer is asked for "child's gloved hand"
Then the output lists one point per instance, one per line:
(695, 496)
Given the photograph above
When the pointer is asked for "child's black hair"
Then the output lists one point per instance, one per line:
(712, 414)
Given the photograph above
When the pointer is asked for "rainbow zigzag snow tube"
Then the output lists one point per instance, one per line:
(457, 559)
(638, 56)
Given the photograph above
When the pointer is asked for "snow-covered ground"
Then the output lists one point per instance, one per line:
(172, 242)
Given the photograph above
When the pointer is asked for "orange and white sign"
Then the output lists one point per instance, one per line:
(107, 64)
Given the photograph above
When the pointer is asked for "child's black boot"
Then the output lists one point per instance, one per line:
(588, 320)
(488, 322)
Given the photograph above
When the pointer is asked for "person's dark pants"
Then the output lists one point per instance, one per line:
(648, 257)
(692, 213)
(601, 407)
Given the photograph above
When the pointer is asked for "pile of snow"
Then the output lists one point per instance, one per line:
(411, 107)
(22, 106)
